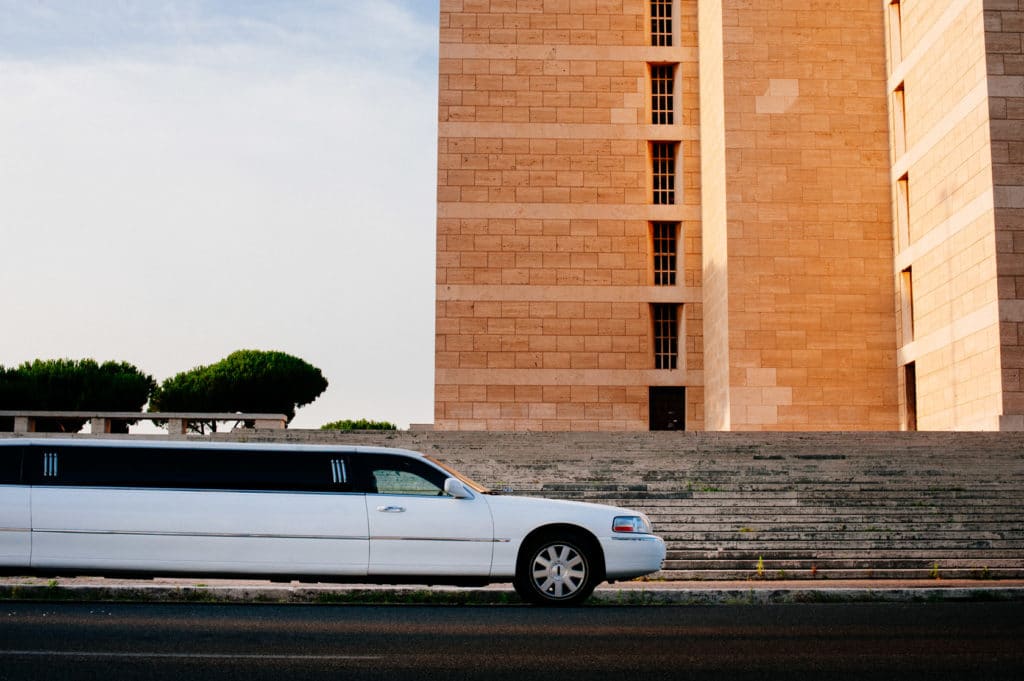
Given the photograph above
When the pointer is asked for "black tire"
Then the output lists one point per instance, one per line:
(557, 569)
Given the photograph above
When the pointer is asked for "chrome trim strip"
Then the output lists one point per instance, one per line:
(214, 490)
(139, 488)
(455, 539)
(645, 537)
(136, 533)
(15, 529)
(140, 533)
(221, 490)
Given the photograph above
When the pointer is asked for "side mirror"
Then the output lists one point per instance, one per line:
(455, 488)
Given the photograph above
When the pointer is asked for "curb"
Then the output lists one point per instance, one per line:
(609, 595)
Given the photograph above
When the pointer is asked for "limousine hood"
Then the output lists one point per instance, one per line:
(511, 501)
(519, 512)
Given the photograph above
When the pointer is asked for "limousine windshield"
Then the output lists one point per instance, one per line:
(465, 479)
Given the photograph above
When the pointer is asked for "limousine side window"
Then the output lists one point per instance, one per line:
(189, 469)
(10, 465)
(384, 474)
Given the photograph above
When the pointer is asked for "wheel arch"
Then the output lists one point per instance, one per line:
(556, 530)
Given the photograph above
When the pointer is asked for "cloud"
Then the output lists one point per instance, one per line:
(169, 202)
(331, 29)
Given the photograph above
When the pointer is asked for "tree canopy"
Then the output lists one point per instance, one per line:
(253, 381)
(72, 385)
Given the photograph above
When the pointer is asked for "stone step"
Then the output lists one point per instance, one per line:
(868, 551)
(841, 564)
(808, 506)
(889, 532)
(787, 535)
(927, 555)
(754, 520)
(980, 574)
(824, 551)
(835, 506)
(891, 497)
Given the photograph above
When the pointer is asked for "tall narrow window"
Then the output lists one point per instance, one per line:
(895, 33)
(661, 23)
(910, 396)
(663, 172)
(662, 100)
(907, 305)
(664, 240)
(903, 212)
(666, 335)
(899, 120)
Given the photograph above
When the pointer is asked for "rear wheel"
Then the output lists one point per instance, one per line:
(556, 570)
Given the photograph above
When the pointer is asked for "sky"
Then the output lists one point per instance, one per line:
(180, 179)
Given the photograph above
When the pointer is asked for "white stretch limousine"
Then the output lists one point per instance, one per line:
(95, 506)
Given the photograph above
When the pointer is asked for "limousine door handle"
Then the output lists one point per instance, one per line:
(391, 509)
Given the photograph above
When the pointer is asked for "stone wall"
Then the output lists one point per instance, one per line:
(808, 234)
(544, 280)
(1004, 37)
(944, 202)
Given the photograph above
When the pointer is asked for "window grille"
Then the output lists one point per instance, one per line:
(662, 102)
(338, 473)
(663, 171)
(663, 237)
(50, 465)
(666, 335)
(661, 23)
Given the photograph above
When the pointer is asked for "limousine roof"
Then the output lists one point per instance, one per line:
(198, 445)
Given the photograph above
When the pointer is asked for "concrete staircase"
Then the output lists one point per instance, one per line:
(770, 506)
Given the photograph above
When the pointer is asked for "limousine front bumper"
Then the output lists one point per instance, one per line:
(632, 555)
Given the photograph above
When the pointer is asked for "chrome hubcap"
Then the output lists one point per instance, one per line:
(559, 571)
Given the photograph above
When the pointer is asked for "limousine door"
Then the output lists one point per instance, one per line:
(15, 521)
(415, 528)
(196, 510)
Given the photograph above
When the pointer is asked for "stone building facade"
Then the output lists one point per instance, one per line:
(730, 215)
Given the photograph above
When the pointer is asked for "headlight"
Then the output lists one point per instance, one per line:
(632, 524)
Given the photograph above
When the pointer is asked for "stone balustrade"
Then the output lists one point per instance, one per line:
(177, 423)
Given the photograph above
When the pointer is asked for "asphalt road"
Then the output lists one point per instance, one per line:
(830, 641)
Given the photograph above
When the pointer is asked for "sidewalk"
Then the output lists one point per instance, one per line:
(99, 589)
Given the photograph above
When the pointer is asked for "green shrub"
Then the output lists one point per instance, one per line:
(361, 424)
(73, 385)
(253, 381)
(6, 422)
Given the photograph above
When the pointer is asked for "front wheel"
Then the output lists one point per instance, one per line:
(556, 571)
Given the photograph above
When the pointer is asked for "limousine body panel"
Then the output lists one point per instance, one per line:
(199, 530)
(15, 526)
(429, 535)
